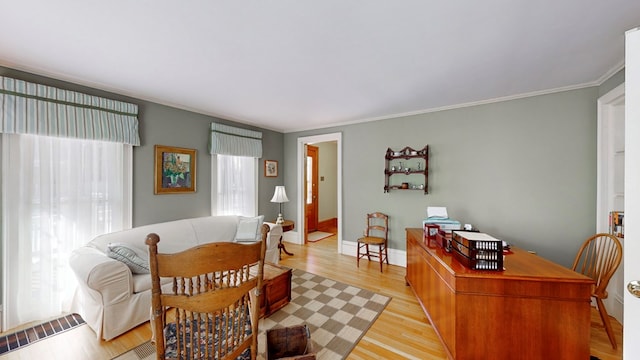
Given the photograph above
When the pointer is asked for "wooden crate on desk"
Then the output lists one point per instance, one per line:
(477, 250)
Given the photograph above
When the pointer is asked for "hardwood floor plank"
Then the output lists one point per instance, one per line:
(401, 331)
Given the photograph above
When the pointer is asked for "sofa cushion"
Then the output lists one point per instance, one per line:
(142, 282)
(248, 229)
(129, 257)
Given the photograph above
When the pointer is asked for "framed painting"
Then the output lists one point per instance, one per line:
(271, 168)
(175, 170)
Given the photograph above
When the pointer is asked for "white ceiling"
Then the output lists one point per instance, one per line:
(295, 65)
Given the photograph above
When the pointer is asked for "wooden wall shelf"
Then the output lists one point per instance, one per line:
(406, 169)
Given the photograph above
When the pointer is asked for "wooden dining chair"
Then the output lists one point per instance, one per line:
(374, 242)
(212, 301)
(598, 258)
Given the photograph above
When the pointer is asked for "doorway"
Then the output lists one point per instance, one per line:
(301, 162)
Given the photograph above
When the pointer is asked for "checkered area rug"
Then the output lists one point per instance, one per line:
(337, 315)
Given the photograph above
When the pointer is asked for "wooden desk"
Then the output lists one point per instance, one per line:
(287, 225)
(535, 309)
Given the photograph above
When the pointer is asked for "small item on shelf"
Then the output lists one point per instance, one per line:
(405, 185)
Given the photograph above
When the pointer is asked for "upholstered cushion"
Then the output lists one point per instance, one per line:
(225, 332)
(249, 229)
(129, 257)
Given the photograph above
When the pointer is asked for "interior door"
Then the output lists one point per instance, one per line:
(311, 190)
(632, 193)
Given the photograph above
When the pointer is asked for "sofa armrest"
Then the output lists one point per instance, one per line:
(96, 271)
(273, 239)
(275, 233)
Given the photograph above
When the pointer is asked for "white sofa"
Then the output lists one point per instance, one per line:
(112, 299)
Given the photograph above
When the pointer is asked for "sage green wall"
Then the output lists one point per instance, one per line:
(164, 125)
(327, 188)
(522, 170)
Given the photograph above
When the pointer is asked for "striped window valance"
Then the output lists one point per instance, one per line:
(29, 108)
(230, 140)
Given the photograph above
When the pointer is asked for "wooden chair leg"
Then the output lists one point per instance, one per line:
(368, 255)
(358, 256)
(380, 256)
(607, 323)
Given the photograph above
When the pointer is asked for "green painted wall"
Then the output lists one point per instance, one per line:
(328, 182)
(522, 170)
(164, 125)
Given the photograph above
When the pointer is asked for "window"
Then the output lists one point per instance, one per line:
(58, 194)
(235, 180)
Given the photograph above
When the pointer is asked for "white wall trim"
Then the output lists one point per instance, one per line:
(607, 105)
(604, 149)
(455, 106)
(396, 257)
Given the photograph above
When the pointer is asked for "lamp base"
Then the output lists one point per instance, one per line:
(280, 219)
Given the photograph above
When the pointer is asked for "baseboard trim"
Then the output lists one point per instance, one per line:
(328, 225)
(396, 257)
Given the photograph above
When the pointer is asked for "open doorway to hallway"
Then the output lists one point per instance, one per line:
(319, 187)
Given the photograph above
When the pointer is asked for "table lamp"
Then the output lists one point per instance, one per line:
(280, 196)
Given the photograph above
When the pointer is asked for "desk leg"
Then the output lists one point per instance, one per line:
(282, 248)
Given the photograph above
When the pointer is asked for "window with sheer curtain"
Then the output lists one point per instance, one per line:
(66, 162)
(57, 195)
(234, 166)
(236, 185)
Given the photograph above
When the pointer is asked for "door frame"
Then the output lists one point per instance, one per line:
(300, 167)
(608, 105)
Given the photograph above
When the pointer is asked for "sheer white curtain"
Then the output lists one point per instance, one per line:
(236, 184)
(57, 194)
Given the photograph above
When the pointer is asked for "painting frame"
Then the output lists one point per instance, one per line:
(174, 170)
(271, 168)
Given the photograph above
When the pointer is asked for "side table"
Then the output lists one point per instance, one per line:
(287, 225)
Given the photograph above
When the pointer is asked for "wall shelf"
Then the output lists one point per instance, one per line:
(407, 169)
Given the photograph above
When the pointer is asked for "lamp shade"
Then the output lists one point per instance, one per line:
(280, 195)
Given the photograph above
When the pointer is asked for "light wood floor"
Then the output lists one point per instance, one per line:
(401, 332)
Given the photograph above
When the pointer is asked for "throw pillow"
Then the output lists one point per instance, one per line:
(129, 257)
(249, 229)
